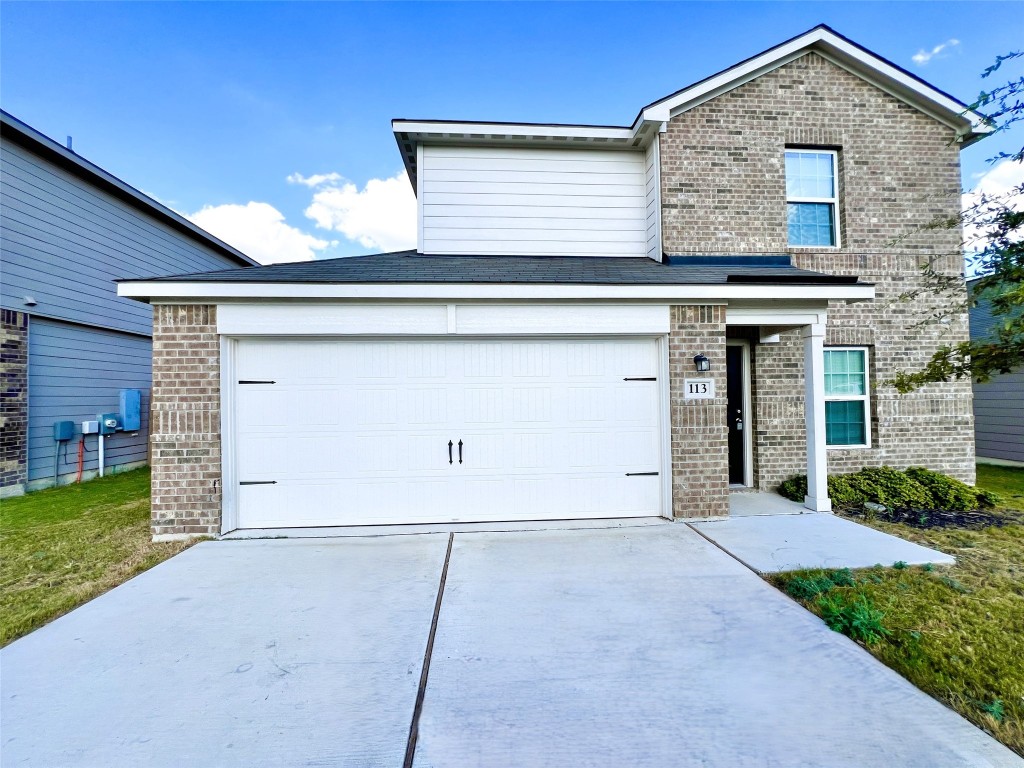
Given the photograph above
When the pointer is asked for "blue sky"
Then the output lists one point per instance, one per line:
(214, 105)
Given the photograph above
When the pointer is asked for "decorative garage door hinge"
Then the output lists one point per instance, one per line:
(253, 381)
(258, 482)
(640, 474)
(640, 378)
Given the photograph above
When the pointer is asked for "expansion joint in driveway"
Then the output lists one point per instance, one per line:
(714, 543)
(414, 726)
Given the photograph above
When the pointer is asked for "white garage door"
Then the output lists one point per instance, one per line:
(370, 432)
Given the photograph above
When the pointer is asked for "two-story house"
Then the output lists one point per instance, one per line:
(70, 344)
(598, 322)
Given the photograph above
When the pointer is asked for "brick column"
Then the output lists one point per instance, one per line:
(185, 425)
(700, 436)
(14, 403)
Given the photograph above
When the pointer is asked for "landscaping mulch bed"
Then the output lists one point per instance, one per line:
(937, 518)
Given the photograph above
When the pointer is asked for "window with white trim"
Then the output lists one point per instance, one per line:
(847, 409)
(812, 198)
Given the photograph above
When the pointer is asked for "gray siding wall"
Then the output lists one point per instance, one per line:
(999, 417)
(64, 242)
(76, 372)
(998, 403)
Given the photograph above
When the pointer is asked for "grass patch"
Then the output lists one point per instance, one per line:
(957, 633)
(1006, 482)
(64, 546)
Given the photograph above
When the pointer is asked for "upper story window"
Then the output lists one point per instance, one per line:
(812, 198)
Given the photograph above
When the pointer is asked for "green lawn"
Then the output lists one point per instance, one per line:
(958, 632)
(64, 546)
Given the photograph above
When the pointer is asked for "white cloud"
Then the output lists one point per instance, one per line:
(382, 215)
(922, 57)
(1003, 182)
(259, 230)
(316, 180)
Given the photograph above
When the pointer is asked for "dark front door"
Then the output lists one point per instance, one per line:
(736, 417)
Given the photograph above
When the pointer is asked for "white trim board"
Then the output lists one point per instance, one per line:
(229, 463)
(267, 319)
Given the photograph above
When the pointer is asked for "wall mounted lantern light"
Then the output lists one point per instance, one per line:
(702, 363)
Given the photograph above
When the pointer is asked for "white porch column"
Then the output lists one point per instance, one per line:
(814, 409)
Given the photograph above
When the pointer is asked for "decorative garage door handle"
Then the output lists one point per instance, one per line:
(640, 378)
(460, 451)
(640, 474)
(450, 444)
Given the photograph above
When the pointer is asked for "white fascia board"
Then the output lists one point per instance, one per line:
(165, 292)
(487, 131)
(778, 316)
(841, 52)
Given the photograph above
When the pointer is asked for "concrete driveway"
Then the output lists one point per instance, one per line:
(643, 646)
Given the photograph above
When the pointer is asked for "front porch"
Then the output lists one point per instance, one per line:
(775, 405)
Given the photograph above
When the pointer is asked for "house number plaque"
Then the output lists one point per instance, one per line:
(698, 389)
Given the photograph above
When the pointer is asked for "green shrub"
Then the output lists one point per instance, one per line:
(844, 493)
(839, 490)
(794, 489)
(947, 492)
(917, 487)
(987, 498)
(855, 617)
(890, 487)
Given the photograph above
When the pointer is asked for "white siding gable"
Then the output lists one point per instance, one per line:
(534, 202)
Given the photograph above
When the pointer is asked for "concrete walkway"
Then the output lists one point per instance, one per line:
(787, 542)
(643, 647)
(749, 503)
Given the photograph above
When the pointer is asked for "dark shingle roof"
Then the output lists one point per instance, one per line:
(412, 267)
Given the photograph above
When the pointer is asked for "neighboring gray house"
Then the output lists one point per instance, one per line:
(998, 404)
(69, 343)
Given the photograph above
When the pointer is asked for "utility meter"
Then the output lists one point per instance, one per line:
(109, 423)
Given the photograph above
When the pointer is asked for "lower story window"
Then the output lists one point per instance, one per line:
(846, 397)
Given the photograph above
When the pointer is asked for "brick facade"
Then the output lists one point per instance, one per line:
(723, 187)
(700, 455)
(14, 404)
(185, 426)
